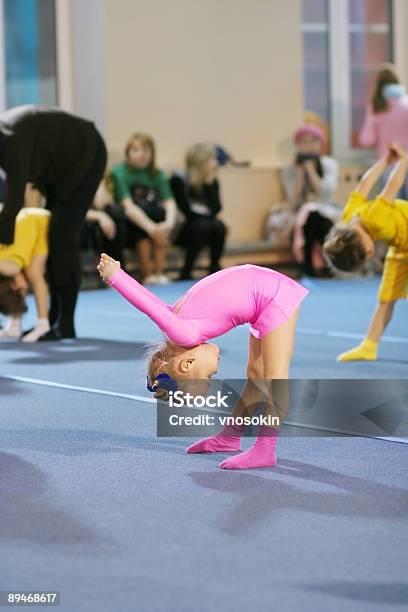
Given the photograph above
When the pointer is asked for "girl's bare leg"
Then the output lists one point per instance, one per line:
(229, 439)
(367, 350)
(381, 317)
(143, 249)
(277, 350)
(255, 358)
(253, 393)
(35, 274)
(159, 258)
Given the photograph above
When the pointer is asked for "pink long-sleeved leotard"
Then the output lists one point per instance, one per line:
(217, 303)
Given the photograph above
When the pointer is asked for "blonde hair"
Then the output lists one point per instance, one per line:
(196, 157)
(344, 248)
(161, 357)
(147, 141)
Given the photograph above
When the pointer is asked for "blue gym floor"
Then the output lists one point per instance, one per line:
(95, 506)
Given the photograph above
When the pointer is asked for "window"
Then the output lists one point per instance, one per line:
(369, 35)
(28, 52)
(316, 58)
(349, 40)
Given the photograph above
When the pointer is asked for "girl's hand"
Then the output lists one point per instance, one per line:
(165, 225)
(299, 171)
(160, 236)
(395, 153)
(309, 166)
(19, 283)
(107, 226)
(107, 267)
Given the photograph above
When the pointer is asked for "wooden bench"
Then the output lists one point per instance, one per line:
(247, 195)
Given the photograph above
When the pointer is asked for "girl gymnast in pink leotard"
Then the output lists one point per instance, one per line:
(267, 300)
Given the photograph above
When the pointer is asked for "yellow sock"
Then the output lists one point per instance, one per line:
(366, 351)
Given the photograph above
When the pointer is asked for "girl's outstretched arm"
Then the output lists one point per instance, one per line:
(397, 178)
(371, 176)
(181, 331)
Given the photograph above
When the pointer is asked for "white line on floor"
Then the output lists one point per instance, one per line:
(50, 383)
(336, 334)
(150, 400)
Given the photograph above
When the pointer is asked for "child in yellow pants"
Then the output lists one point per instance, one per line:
(351, 243)
(23, 263)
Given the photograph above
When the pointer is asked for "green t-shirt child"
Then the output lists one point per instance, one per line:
(125, 177)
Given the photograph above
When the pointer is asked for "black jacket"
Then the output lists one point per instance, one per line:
(45, 146)
(185, 197)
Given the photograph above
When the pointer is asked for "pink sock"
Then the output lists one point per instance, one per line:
(229, 439)
(262, 453)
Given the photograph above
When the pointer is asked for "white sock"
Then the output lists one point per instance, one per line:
(12, 329)
(41, 328)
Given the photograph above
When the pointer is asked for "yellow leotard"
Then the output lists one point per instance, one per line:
(387, 221)
(30, 237)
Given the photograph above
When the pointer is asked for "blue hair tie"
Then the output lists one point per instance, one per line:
(162, 381)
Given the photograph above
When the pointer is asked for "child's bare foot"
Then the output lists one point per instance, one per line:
(107, 267)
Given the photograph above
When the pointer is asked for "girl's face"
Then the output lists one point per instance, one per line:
(308, 144)
(203, 360)
(210, 169)
(139, 155)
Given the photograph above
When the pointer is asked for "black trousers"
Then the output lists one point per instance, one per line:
(95, 239)
(198, 233)
(315, 229)
(63, 266)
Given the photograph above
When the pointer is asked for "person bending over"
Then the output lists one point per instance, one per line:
(351, 243)
(21, 264)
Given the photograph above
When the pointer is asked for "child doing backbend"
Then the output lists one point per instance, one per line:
(267, 300)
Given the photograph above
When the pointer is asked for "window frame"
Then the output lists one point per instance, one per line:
(63, 53)
(338, 28)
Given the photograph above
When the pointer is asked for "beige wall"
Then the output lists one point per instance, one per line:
(247, 196)
(88, 67)
(227, 71)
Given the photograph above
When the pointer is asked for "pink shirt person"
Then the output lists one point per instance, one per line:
(391, 125)
(217, 303)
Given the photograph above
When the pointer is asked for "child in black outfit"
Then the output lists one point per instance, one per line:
(197, 197)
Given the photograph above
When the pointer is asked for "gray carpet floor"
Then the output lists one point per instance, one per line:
(95, 506)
